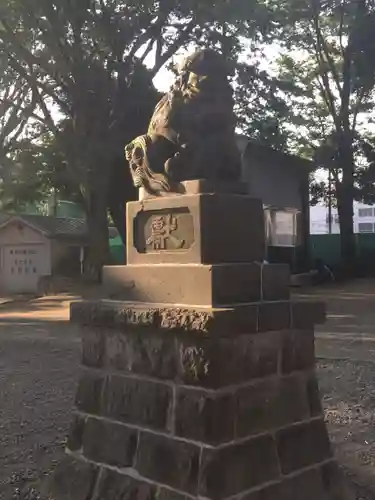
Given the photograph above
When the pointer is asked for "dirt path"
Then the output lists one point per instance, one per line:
(39, 354)
(345, 349)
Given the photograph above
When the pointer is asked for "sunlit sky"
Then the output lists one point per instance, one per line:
(164, 78)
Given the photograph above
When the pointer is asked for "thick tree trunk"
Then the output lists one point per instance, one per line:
(118, 214)
(97, 224)
(120, 191)
(345, 198)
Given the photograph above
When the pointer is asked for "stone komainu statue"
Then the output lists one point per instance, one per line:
(192, 131)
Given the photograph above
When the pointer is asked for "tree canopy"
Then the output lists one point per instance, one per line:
(77, 84)
(328, 53)
(78, 69)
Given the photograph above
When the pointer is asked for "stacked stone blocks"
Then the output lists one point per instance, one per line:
(215, 398)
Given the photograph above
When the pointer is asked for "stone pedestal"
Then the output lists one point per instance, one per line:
(215, 397)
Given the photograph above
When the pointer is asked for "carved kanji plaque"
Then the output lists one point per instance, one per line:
(164, 231)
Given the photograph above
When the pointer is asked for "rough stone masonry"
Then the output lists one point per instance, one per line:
(198, 373)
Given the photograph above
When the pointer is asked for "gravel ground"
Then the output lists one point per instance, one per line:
(39, 370)
(348, 392)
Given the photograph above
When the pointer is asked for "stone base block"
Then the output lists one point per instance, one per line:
(322, 482)
(231, 322)
(196, 229)
(203, 285)
(162, 411)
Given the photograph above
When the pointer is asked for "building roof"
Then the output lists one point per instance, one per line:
(53, 227)
(253, 148)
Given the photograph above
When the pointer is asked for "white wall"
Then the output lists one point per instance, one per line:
(319, 214)
(17, 233)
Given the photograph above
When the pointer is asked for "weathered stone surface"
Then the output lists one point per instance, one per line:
(226, 321)
(234, 284)
(71, 480)
(205, 361)
(292, 402)
(217, 238)
(303, 445)
(93, 347)
(321, 483)
(168, 461)
(298, 351)
(196, 361)
(236, 468)
(308, 483)
(221, 362)
(254, 409)
(313, 394)
(77, 426)
(214, 285)
(115, 486)
(270, 404)
(98, 313)
(307, 314)
(189, 284)
(203, 416)
(152, 354)
(137, 401)
(274, 316)
(333, 482)
(256, 356)
(88, 396)
(275, 282)
(109, 443)
(166, 494)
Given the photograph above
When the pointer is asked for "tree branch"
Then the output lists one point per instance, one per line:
(147, 51)
(322, 49)
(180, 41)
(341, 28)
(35, 83)
(25, 110)
(12, 45)
(150, 34)
(356, 109)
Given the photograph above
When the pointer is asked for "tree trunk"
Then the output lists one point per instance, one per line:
(120, 191)
(97, 224)
(345, 198)
(118, 214)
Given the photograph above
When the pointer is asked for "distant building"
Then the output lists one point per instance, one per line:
(281, 181)
(363, 219)
(34, 246)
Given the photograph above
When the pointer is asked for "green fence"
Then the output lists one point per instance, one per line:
(327, 248)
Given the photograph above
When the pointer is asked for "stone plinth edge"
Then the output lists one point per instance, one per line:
(229, 321)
